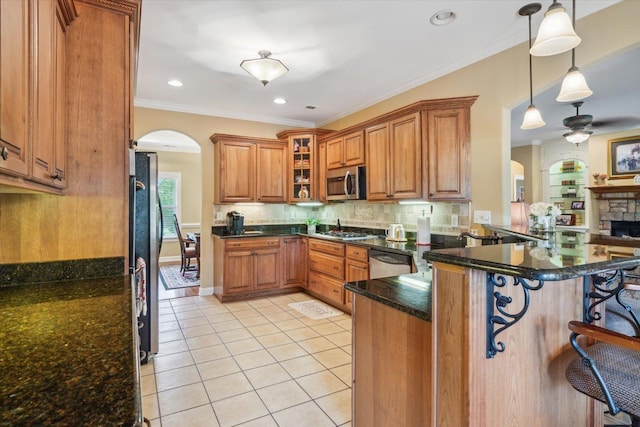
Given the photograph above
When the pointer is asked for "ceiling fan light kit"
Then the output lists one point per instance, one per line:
(556, 34)
(264, 68)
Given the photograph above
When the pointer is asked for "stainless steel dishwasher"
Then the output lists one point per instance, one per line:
(387, 264)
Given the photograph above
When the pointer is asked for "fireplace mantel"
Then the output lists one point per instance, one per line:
(616, 192)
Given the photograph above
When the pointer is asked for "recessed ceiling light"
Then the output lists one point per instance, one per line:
(443, 17)
(280, 101)
(175, 83)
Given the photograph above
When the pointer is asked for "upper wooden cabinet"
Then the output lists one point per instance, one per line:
(33, 93)
(394, 159)
(347, 150)
(448, 154)
(249, 169)
(15, 48)
(322, 171)
(303, 178)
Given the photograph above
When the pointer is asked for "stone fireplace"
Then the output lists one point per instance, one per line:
(618, 210)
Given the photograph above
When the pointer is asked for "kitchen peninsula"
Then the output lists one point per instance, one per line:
(488, 343)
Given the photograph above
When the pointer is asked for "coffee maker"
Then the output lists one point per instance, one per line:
(235, 223)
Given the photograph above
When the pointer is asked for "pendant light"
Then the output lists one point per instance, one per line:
(556, 34)
(574, 86)
(264, 68)
(532, 118)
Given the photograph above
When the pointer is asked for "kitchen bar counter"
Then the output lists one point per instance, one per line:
(67, 354)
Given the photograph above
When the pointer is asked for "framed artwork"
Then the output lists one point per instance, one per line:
(577, 205)
(624, 157)
(566, 219)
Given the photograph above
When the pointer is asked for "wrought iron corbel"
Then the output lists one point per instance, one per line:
(602, 291)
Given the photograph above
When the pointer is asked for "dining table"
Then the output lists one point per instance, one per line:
(195, 238)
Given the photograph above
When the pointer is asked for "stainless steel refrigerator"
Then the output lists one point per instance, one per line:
(147, 230)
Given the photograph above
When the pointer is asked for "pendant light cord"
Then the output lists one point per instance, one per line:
(530, 66)
(573, 51)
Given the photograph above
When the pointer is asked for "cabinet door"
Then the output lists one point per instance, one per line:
(295, 261)
(14, 87)
(237, 172)
(448, 149)
(377, 146)
(267, 267)
(49, 139)
(239, 271)
(405, 176)
(353, 149)
(271, 173)
(335, 153)
(322, 171)
(355, 270)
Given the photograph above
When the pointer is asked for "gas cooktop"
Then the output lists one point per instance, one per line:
(347, 235)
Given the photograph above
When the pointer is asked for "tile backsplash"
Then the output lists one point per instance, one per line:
(355, 214)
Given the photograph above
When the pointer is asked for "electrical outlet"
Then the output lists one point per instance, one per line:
(454, 220)
(324, 215)
(292, 214)
(218, 215)
(482, 217)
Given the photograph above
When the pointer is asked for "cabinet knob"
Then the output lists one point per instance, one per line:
(389, 196)
(430, 194)
(4, 153)
(57, 176)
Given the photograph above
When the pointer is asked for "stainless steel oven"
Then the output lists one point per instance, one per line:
(346, 183)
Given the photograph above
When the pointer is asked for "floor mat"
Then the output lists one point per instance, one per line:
(171, 277)
(315, 309)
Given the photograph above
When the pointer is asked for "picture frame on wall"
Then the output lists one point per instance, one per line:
(566, 219)
(624, 157)
(577, 205)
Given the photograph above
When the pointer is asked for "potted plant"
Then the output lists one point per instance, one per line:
(311, 224)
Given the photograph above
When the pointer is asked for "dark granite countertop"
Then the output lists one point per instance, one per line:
(67, 354)
(409, 293)
(540, 261)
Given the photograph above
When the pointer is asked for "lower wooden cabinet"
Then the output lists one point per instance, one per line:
(295, 261)
(357, 268)
(327, 271)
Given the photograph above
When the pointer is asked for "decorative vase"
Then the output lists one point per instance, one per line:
(543, 224)
(311, 229)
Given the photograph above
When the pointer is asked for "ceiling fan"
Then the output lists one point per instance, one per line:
(579, 122)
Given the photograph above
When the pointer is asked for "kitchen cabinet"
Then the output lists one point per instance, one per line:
(295, 261)
(303, 181)
(322, 172)
(347, 150)
(327, 271)
(251, 265)
(448, 159)
(15, 49)
(33, 94)
(356, 268)
(49, 131)
(394, 162)
(249, 169)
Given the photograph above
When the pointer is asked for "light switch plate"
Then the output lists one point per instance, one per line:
(482, 217)
(454, 220)
(292, 214)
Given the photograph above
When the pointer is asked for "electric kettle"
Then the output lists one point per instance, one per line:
(395, 232)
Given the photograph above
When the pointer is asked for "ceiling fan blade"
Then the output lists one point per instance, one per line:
(617, 121)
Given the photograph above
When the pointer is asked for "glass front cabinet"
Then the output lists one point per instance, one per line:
(567, 181)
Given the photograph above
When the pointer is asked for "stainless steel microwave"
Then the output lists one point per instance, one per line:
(346, 183)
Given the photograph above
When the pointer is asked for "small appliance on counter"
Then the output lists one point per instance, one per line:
(235, 223)
(396, 233)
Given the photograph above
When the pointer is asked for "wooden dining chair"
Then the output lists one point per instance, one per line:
(187, 251)
(608, 370)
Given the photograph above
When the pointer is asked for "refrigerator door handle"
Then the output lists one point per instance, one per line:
(161, 226)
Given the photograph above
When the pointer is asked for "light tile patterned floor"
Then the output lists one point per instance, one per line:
(252, 363)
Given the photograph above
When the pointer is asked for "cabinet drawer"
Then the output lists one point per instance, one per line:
(244, 243)
(357, 253)
(326, 286)
(327, 264)
(332, 248)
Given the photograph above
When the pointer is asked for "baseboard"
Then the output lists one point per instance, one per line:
(169, 260)
(205, 291)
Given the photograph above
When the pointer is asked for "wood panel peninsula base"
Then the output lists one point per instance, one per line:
(430, 357)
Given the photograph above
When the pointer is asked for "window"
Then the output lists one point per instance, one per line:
(169, 193)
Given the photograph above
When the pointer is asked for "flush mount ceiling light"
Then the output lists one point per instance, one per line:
(443, 17)
(175, 83)
(264, 68)
(532, 118)
(574, 86)
(556, 34)
(280, 101)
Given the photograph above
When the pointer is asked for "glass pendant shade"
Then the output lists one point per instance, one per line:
(264, 68)
(532, 119)
(574, 87)
(556, 34)
(577, 136)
